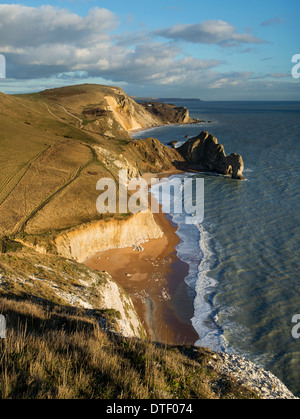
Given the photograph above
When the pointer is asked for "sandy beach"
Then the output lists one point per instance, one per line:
(154, 278)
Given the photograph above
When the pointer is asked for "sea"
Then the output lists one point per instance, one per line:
(244, 264)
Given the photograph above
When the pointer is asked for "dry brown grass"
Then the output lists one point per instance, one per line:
(51, 163)
(55, 352)
(50, 166)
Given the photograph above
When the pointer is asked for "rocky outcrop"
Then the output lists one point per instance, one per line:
(204, 153)
(167, 113)
(252, 376)
(173, 143)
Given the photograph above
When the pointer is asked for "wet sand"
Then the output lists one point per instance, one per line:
(154, 278)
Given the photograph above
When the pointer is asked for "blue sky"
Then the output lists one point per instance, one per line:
(214, 50)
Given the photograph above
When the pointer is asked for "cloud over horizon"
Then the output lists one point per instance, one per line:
(48, 46)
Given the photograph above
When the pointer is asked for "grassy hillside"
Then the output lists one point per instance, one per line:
(63, 341)
(51, 158)
(29, 275)
(65, 321)
(57, 352)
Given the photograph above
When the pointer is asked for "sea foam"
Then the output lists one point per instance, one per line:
(194, 249)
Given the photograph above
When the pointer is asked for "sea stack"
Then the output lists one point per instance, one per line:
(204, 153)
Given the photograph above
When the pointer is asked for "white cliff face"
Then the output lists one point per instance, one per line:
(128, 114)
(87, 240)
(76, 285)
(128, 324)
(99, 291)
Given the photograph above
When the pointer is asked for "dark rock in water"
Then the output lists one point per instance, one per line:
(173, 143)
(205, 153)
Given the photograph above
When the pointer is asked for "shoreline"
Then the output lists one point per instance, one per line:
(136, 130)
(155, 277)
(152, 278)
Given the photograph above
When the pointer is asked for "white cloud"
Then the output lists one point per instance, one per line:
(23, 26)
(47, 47)
(231, 80)
(44, 41)
(208, 32)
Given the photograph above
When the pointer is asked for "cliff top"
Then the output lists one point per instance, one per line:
(71, 137)
(55, 146)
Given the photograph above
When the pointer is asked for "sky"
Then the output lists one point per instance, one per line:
(212, 50)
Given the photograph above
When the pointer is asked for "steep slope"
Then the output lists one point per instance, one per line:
(110, 111)
(27, 274)
(51, 161)
(60, 352)
(54, 146)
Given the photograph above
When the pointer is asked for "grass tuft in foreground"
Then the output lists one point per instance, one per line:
(59, 352)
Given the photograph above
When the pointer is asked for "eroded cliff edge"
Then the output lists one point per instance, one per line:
(66, 139)
(87, 240)
(29, 275)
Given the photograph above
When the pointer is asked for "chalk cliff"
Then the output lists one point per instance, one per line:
(68, 283)
(87, 240)
(111, 112)
(66, 140)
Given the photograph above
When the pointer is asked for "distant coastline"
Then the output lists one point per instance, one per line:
(164, 99)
